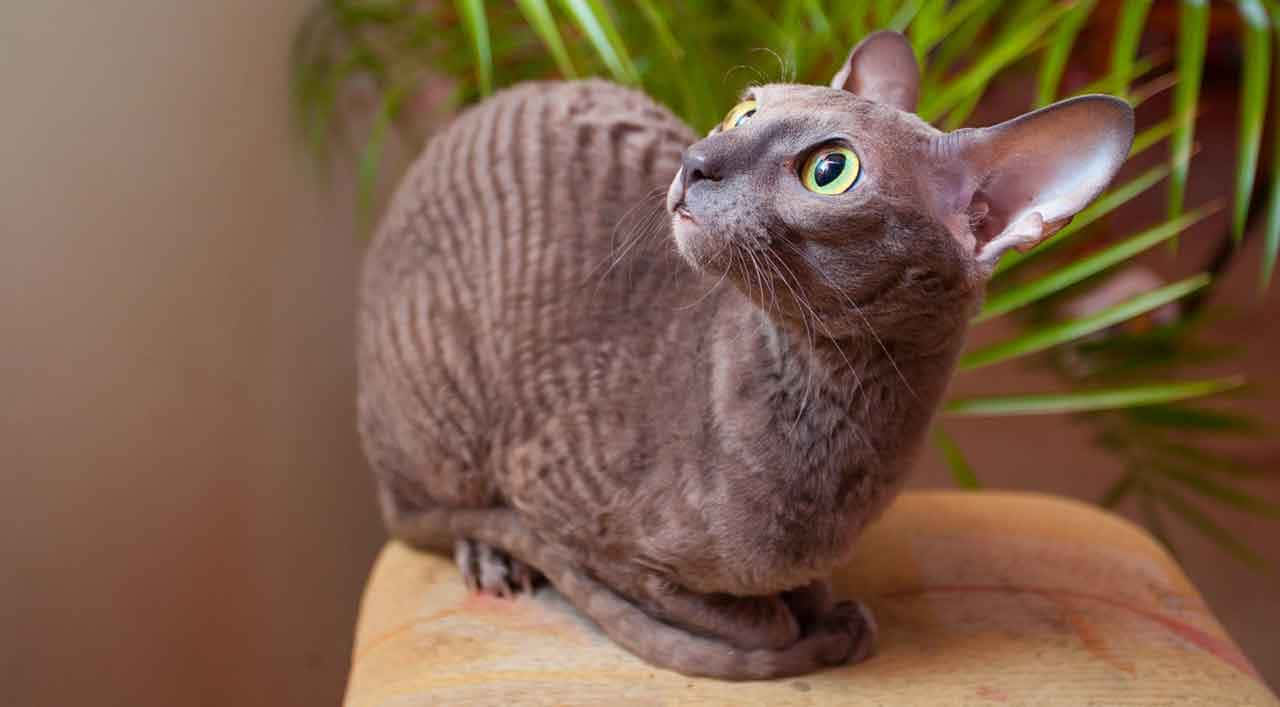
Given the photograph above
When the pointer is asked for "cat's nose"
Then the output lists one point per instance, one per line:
(699, 165)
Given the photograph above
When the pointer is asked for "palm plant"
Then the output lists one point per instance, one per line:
(683, 54)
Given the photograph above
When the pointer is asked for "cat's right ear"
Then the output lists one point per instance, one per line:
(1014, 184)
(882, 68)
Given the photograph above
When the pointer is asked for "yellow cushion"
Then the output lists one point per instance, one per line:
(982, 598)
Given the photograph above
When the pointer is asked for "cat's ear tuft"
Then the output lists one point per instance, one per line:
(1014, 184)
(882, 68)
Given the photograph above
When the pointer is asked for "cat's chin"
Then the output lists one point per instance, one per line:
(692, 243)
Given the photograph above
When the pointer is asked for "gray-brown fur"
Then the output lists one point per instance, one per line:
(681, 413)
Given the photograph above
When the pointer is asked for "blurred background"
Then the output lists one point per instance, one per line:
(188, 518)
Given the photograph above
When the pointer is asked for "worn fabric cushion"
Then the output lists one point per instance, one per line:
(982, 598)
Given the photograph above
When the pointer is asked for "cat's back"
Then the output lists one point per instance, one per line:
(484, 284)
(520, 188)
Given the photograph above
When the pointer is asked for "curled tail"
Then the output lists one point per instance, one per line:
(845, 635)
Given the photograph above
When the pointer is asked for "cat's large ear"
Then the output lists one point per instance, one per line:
(1014, 184)
(882, 68)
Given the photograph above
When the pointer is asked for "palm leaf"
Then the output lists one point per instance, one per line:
(1189, 456)
(1152, 518)
(1062, 332)
(905, 14)
(1151, 136)
(818, 17)
(472, 12)
(1220, 491)
(1013, 47)
(1189, 420)
(1271, 230)
(884, 11)
(538, 15)
(1089, 400)
(1131, 71)
(952, 18)
(1256, 65)
(1058, 280)
(1119, 490)
(594, 21)
(925, 26)
(1129, 26)
(1207, 527)
(961, 472)
(1062, 39)
(1193, 35)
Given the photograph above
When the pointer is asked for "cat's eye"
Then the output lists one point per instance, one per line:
(830, 170)
(740, 114)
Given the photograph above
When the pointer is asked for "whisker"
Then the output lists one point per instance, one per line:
(782, 65)
(782, 263)
(714, 287)
(808, 385)
(638, 235)
(856, 376)
(861, 315)
(758, 73)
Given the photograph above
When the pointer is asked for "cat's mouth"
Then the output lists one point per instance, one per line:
(694, 242)
(675, 195)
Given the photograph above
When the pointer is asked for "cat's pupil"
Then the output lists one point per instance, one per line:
(828, 169)
(744, 117)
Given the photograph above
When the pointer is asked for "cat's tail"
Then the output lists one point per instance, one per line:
(832, 643)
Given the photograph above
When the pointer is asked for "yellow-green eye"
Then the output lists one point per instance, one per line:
(740, 114)
(830, 170)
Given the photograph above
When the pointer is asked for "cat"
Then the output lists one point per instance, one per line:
(681, 399)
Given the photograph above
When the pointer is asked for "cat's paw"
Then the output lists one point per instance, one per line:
(488, 570)
(852, 632)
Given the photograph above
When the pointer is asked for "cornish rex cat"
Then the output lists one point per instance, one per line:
(684, 416)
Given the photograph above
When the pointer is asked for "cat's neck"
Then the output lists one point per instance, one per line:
(807, 353)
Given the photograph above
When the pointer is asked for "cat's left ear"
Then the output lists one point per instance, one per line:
(882, 68)
(1014, 184)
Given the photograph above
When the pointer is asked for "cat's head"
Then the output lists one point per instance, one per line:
(840, 203)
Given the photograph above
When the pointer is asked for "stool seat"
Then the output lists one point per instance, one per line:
(981, 598)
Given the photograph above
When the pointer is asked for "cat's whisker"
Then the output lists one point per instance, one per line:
(755, 265)
(645, 233)
(810, 332)
(806, 312)
(638, 235)
(740, 261)
(803, 303)
(748, 67)
(714, 287)
(858, 310)
(768, 307)
(657, 224)
(782, 64)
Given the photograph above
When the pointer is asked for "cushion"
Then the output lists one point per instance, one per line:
(981, 598)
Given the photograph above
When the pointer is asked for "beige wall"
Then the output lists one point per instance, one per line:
(186, 517)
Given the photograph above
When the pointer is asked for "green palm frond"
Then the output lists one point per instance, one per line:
(1193, 34)
(1089, 400)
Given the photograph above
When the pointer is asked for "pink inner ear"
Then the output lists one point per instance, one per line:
(1036, 170)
